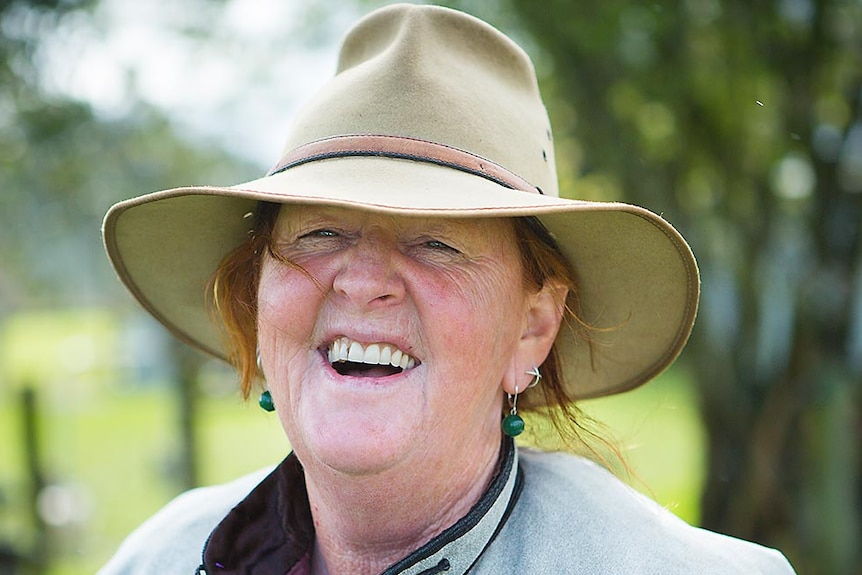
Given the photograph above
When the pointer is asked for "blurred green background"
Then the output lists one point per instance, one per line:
(740, 122)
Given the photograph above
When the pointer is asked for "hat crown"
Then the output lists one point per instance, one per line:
(439, 75)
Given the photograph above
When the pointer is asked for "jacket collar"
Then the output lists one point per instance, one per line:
(271, 529)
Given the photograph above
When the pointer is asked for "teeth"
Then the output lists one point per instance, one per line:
(372, 354)
(344, 349)
(356, 353)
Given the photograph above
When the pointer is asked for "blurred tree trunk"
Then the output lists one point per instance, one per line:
(187, 365)
(741, 123)
(39, 556)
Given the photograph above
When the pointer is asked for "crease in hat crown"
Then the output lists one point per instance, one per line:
(438, 75)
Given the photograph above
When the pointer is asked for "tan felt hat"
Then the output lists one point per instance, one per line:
(431, 113)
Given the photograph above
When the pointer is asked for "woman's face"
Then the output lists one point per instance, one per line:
(441, 298)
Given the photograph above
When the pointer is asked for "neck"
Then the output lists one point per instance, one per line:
(365, 524)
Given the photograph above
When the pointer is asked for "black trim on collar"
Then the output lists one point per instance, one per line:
(469, 521)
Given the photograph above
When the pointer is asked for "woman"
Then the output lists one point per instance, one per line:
(406, 281)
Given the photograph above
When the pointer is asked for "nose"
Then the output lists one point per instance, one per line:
(369, 276)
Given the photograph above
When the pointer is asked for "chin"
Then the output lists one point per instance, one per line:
(355, 444)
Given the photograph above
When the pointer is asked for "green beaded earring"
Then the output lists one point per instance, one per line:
(265, 401)
(513, 424)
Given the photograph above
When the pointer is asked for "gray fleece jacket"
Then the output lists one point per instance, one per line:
(544, 513)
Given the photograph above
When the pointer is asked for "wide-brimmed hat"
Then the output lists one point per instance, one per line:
(432, 112)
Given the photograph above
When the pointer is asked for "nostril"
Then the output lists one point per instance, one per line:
(368, 284)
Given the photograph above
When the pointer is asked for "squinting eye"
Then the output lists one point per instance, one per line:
(438, 245)
(320, 234)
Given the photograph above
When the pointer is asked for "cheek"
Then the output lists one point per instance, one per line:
(475, 317)
(485, 296)
(287, 304)
(271, 298)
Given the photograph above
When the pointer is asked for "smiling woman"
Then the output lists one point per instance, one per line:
(403, 283)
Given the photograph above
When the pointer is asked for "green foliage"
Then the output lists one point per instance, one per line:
(62, 167)
(69, 168)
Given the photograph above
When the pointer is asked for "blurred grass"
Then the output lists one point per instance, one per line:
(112, 447)
(117, 454)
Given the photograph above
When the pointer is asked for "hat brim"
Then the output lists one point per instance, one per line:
(638, 280)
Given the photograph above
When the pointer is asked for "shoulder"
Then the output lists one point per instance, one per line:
(172, 540)
(594, 523)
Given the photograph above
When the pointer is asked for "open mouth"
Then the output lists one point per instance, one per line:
(350, 357)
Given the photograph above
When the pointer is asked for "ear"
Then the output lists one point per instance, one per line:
(540, 325)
